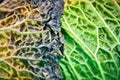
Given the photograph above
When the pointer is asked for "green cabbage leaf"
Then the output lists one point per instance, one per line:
(92, 34)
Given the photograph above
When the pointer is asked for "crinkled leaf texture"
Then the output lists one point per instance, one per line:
(92, 34)
(31, 43)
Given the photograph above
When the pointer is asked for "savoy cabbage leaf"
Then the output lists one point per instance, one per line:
(92, 34)
(31, 43)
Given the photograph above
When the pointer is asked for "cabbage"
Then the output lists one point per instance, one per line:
(92, 36)
(31, 43)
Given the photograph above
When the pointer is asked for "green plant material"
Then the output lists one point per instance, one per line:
(92, 33)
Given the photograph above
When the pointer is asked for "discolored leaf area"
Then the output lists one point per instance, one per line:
(92, 33)
(31, 42)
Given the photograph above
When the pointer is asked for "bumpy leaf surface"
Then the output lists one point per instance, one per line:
(92, 34)
(31, 43)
